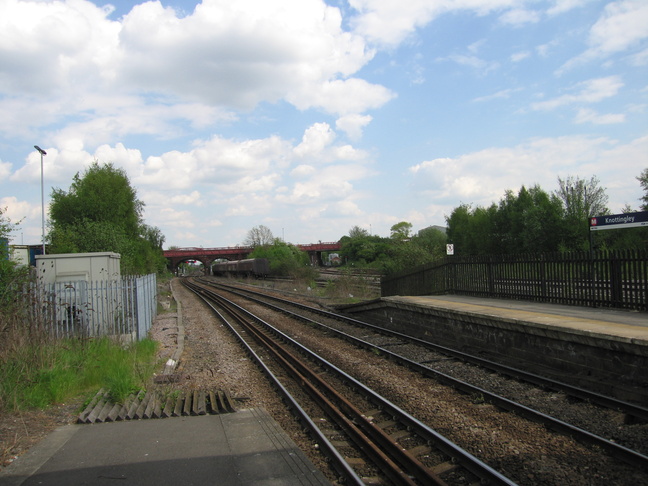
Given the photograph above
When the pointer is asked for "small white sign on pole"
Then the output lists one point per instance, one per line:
(450, 249)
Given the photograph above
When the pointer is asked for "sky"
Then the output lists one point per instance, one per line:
(311, 117)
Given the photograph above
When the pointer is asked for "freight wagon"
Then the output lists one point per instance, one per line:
(252, 267)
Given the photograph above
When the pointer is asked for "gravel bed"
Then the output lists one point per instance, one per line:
(213, 359)
(524, 451)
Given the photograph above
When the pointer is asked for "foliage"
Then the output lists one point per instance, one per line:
(643, 182)
(11, 274)
(401, 231)
(533, 221)
(101, 212)
(357, 231)
(527, 222)
(392, 254)
(39, 374)
(284, 258)
(581, 200)
(259, 236)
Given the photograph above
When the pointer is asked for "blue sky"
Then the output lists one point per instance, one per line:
(311, 117)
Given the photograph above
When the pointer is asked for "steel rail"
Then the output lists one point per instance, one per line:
(392, 459)
(625, 454)
(467, 460)
(612, 403)
(339, 463)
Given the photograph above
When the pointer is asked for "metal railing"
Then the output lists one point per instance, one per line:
(123, 308)
(616, 279)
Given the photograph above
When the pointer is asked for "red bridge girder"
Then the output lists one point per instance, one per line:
(207, 255)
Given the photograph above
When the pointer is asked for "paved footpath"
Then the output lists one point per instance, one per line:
(236, 449)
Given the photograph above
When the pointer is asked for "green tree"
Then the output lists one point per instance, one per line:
(361, 248)
(102, 194)
(643, 182)
(401, 231)
(358, 232)
(101, 212)
(581, 200)
(459, 230)
(528, 222)
(11, 274)
(431, 240)
(284, 258)
(259, 236)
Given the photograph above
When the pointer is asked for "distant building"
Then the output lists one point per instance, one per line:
(25, 254)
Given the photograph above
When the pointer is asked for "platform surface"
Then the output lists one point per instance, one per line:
(243, 448)
(624, 325)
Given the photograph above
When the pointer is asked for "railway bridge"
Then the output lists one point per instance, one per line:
(207, 255)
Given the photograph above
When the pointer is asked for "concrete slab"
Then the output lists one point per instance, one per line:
(243, 448)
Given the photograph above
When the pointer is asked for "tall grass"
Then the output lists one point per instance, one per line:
(43, 372)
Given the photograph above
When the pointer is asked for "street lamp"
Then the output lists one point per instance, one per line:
(42, 152)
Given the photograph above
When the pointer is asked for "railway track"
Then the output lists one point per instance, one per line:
(386, 342)
(367, 437)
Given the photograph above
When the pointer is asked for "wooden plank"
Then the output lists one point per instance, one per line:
(83, 415)
(186, 410)
(148, 411)
(157, 410)
(168, 407)
(199, 404)
(114, 411)
(133, 407)
(177, 410)
(101, 416)
(213, 402)
(139, 413)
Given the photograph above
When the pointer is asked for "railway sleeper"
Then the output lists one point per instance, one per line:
(151, 405)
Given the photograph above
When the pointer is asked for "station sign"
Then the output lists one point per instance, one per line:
(618, 221)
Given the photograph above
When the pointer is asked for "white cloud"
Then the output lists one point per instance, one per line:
(390, 22)
(591, 91)
(518, 17)
(315, 140)
(482, 177)
(353, 124)
(17, 210)
(520, 56)
(193, 199)
(590, 116)
(473, 62)
(562, 6)
(5, 170)
(502, 94)
(302, 171)
(623, 25)
(241, 53)
(108, 79)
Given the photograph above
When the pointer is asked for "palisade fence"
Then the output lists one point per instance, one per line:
(598, 279)
(123, 308)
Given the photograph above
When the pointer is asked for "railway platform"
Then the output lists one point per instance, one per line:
(602, 349)
(614, 323)
(243, 448)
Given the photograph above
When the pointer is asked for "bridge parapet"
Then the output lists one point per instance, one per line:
(207, 255)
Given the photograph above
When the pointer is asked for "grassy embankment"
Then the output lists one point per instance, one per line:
(39, 374)
(37, 370)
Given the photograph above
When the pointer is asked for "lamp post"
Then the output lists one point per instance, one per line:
(42, 152)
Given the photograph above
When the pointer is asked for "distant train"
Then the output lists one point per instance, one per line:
(252, 267)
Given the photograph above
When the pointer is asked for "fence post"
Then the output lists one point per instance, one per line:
(616, 280)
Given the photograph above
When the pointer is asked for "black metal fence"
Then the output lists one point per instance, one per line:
(598, 279)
